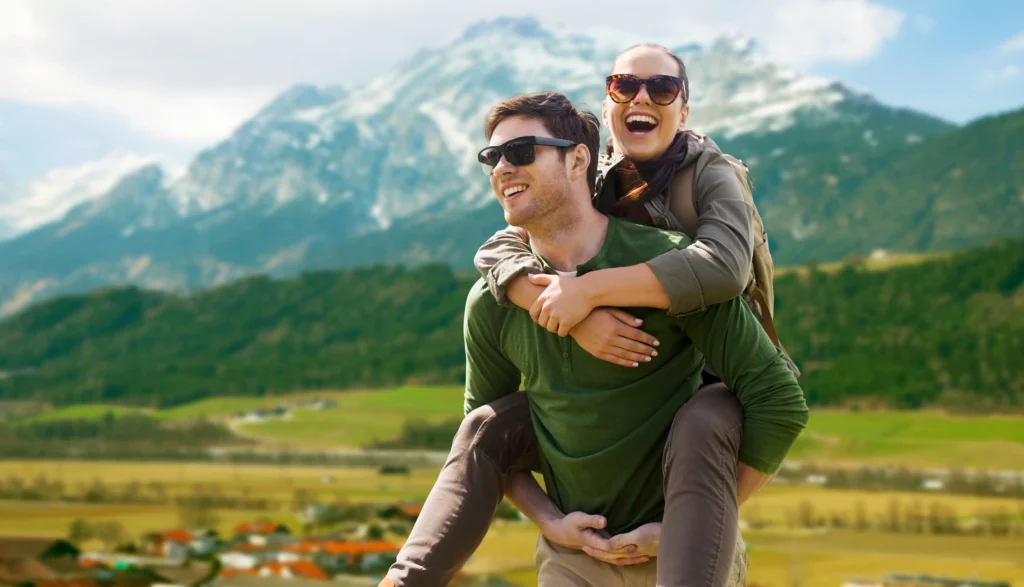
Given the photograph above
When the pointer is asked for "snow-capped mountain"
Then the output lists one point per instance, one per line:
(50, 197)
(386, 171)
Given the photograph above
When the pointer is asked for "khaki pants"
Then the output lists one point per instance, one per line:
(558, 566)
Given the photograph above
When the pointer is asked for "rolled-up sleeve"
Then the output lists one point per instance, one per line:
(716, 267)
(505, 256)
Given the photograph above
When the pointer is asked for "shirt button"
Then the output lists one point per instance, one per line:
(565, 355)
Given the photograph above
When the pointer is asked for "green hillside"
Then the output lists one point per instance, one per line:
(962, 188)
(944, 331)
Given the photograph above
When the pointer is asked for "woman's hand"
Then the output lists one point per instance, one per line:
(614, 336)
(563, 304)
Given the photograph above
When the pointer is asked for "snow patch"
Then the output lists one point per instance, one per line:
(51, 196)
(310, 114)
(456, 139)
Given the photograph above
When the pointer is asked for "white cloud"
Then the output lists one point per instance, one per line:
(191, 70)
(1013, 45)
(50, 197)
(1003, 74)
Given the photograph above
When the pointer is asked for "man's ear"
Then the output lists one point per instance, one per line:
(683, 116)
(580, 161)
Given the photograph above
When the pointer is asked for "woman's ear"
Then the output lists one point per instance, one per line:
(683, 116)
(604, 113)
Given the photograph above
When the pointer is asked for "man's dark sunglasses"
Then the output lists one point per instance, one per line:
(662, 89)
(518, 151)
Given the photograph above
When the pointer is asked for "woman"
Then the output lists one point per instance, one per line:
(646, 111)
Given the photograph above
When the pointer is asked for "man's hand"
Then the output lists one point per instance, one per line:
(638, 546)
(576, 531)
(612, 335)
(563, 305)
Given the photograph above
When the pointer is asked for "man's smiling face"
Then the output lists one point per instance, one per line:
(529, 192)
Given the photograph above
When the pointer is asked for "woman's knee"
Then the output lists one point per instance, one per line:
(712, 416)
(502, 431)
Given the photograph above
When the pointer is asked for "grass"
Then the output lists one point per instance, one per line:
(83, 411)
(360, 417)
(916, 439)
(913, 438)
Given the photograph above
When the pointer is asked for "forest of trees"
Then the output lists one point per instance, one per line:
(947, 331)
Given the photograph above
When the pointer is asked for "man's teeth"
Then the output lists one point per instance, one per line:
(641, 118)
(514, 190)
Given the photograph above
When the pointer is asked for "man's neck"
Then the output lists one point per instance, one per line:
(572, 239)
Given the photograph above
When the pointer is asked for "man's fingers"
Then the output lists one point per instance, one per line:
(631, 561)
(540, 279)
(621, 547)
(617, 360)
(613, 558)
(592, 521)
(595, 543)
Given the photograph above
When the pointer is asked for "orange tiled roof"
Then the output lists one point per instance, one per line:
(304, 569)
(91, 563)
(228, 573)
(258, 528)
(411, 509)
(247, 548)
(177, 535)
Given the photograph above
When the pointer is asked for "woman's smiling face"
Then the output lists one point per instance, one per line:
(642, 130)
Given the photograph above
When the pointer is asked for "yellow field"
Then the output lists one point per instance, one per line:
(772, 503)
(778, 556)
(269, 481)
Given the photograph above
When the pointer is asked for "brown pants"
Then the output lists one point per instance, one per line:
(699, 529)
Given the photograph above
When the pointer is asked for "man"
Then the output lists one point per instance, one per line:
(601, 429)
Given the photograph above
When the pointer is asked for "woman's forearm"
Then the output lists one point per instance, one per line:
(626, 287)
(522, 293)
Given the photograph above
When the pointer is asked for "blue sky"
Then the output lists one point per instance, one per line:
(948, 59)
(85, 80)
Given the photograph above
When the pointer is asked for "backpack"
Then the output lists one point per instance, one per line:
(759, 293)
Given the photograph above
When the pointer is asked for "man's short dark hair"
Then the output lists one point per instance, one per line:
(559, 117)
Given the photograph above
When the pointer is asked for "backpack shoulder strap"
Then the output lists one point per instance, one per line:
(680, 200)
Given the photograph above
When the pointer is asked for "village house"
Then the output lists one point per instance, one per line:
(263, 533)
(180, 543)
(245, 556)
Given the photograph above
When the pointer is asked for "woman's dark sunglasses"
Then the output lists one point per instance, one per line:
(662, 89)
(518, 151)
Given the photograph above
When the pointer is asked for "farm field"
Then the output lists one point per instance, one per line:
(918, 439)
(779, 556)
(359, 418)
